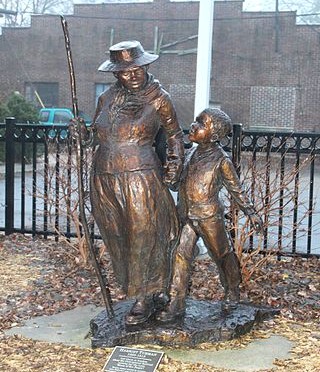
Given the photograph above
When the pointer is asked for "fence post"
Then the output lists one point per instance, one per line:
(236, 146)
(9, 194)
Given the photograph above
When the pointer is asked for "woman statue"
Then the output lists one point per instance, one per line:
(131, 202)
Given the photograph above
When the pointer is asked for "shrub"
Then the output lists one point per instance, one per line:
(4, 112)
(19, 108)
(24, 112)
(275, 197)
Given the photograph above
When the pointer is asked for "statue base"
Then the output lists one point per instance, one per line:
(204, 321)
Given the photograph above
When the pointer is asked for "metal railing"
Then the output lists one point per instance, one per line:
(279, 170)
(38, 179)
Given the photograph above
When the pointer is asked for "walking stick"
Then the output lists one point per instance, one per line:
(102, 280)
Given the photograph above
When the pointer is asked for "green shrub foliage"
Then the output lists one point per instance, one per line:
(24, 112)
(19, 108)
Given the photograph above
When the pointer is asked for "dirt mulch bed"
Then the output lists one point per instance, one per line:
(42, 277)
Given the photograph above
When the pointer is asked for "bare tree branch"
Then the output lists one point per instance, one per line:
(25, 8)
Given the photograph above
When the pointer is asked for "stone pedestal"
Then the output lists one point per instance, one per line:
(204, 321)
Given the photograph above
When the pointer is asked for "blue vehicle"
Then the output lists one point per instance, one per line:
(56, 116)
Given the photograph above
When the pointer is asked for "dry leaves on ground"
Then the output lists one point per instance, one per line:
(42, 277)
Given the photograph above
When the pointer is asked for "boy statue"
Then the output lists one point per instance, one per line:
(207, 169)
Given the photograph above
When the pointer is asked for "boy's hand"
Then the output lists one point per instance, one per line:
(172, 170)
(256, 222)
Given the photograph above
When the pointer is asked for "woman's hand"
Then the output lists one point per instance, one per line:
(74, 126)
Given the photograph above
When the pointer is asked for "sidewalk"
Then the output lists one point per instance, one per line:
(72, 327)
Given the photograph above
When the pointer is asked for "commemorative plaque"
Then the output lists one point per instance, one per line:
(126, 359)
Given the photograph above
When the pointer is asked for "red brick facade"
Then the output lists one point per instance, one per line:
(263, 75)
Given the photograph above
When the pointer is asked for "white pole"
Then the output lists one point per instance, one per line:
(204, 55)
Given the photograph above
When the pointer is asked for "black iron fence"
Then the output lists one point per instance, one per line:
(39, 182)
(280, 171)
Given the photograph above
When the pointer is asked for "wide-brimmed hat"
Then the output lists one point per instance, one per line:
(125, 55)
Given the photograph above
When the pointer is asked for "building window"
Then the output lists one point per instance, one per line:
(42, 94)
(99, 89)
(272, 107)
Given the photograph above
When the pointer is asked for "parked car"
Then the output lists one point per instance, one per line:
(57, 116)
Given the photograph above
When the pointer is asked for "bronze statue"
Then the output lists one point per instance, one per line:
(131, 202)
(208, 168)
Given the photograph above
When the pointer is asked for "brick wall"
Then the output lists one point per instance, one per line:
(37, 54)
(245, 60)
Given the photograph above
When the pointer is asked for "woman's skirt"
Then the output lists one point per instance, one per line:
(138, 222)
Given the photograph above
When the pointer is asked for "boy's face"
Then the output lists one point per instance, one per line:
(202, 129)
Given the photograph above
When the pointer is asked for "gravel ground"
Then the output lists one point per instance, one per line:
(43, 277)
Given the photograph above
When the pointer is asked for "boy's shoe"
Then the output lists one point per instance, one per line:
(231, 299)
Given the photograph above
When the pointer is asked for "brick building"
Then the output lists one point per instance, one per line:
(265, 68)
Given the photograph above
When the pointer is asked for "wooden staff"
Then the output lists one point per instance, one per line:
(101, 278)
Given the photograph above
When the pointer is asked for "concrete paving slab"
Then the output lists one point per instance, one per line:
(68, 327)
(258, 355)
(71, 328)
